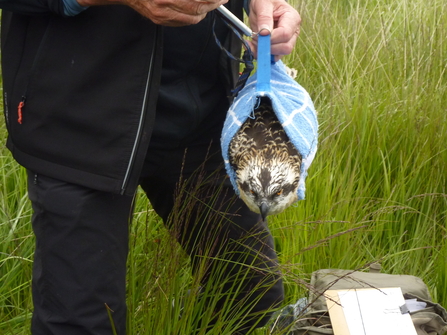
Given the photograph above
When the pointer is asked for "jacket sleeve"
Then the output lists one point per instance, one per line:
(33, 7)
(247, 6)
(72, 8)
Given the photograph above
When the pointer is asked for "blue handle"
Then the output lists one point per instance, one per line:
(265, 61)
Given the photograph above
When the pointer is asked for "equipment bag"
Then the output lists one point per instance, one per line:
(314, 320)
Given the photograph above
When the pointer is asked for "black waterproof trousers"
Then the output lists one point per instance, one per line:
(82, 238)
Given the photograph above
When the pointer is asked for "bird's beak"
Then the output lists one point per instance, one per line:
(264, 209)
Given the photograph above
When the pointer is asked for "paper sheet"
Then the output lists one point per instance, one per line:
(375, 312)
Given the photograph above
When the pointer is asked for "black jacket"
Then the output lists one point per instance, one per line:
(80, 93)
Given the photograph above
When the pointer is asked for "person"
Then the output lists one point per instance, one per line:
(101, 96)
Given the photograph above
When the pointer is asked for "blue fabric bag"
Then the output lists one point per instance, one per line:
(291, 104)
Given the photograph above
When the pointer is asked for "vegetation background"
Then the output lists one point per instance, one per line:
(376, 191)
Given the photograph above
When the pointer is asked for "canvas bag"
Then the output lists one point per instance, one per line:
(431, 320)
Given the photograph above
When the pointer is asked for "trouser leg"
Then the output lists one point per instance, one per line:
(80, 259)
(210, 221)
(236, 248)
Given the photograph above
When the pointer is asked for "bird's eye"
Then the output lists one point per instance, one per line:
(253, 192)
(279, 192)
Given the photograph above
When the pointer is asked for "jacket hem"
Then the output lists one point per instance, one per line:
(68, 174)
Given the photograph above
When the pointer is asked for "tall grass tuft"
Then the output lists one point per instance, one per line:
(377, 73)
(16, 247)
(376, 192)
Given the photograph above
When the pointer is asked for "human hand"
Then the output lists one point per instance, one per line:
(278, 18)
(172, 13)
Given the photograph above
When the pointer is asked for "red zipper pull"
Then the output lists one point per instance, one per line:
(19, 110)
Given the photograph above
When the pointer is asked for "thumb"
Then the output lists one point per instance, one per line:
(263, 11)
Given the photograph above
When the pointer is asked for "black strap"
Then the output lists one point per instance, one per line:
(247, 58)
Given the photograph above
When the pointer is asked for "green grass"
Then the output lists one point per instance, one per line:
(377, 71)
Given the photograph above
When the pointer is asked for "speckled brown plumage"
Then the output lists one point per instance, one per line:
(267, 164)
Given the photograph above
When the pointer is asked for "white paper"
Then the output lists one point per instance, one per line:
(414, 305)
(376, 312)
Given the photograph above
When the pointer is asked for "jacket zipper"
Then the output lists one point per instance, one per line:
(22, 102)
(19, 109)
(142, 118)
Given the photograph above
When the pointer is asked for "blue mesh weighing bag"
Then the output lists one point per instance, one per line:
(290, 102)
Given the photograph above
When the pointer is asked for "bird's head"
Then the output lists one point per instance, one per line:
(268, 189)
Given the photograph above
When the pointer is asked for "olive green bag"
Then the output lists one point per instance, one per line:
(315, 320)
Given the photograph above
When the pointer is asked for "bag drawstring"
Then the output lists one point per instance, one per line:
(247, 58)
